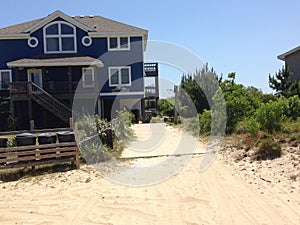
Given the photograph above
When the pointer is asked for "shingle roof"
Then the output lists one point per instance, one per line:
(101, 24)
(17, 29)
(56, 60)
(284, 55)
(96, 23)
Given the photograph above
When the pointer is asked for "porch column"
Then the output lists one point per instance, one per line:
(70, 94)
(30, 116)
(17, 74)
(70, 78)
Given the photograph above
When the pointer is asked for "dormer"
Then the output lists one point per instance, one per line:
(59, 37)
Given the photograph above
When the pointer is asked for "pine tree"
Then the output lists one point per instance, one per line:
(281, 81)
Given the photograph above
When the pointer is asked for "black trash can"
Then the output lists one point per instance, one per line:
(3, 142)
(47, 139)
(25, 139)
(65, 137)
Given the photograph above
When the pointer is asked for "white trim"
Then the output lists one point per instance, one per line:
(118, 48)
(10, 78)
(112, 34)
(39, 64)
(53, 16)
(122, 93)
(14, 36)
(60, 36)
(119, 73)
(284, 55)
(33, 45)
(83, 77)
(121, 34)
(85, 44)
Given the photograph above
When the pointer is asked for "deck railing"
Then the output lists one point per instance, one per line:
(19, 87)
(151, 91)
(54, 87)
(43, 98)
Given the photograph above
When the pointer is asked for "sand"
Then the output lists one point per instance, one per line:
(219, 195)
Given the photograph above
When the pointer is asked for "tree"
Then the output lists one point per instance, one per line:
(200, 87)
(241, 102)
(294, 89)
(269, 116)
(281, 81)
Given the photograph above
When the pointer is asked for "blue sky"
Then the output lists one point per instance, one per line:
(231, 35)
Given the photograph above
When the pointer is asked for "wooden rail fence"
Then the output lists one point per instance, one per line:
(24, 156)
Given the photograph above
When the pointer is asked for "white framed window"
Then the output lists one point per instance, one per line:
(5, 79)
(119, 76)
(118, 43)
(88, 77)
(60, 37)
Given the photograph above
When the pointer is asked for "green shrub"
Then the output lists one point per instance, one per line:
(166, 107)
(92, 132)
(270, 116)
(248, 125)
(121, 126)
(205, 122)
(94, 152)
(291, 106)
(191, 125)
(264, 136)
(268, 149)
(11, 142)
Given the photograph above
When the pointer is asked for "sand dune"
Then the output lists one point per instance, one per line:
(189, 197)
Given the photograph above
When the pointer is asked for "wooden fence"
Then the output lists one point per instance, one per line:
(24, 156)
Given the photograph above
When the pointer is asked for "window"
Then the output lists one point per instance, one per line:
(33, 42)
(5, 79)
(86, 41)
(118, 43)
(60, 37)
(88, 77)
(119, 76)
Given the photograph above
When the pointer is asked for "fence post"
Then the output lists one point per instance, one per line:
(71, 122)
(31, 125)
(109, 138)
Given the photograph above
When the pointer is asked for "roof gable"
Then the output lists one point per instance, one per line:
(292, 51)
(53, 16)
(91, 24)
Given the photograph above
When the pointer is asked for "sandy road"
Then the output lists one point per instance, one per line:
(189, 197)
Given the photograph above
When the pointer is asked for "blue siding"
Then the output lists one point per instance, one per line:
(11, 50)
(17, 49)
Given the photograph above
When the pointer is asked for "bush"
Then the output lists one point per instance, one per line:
(205, 122)
(121, 126)
(268, 149)
(269, 116)
(94, 152)
(191, 125)
(291, 106)
(11, 142)
(86, 124)
(248, 125)
(166, 107)
(92, 133)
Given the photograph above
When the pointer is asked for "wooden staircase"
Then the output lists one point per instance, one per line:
(50, 103)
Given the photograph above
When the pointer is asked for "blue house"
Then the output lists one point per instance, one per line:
(44, 62)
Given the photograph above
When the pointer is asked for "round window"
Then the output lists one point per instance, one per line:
(33, 42)
(86, 41)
